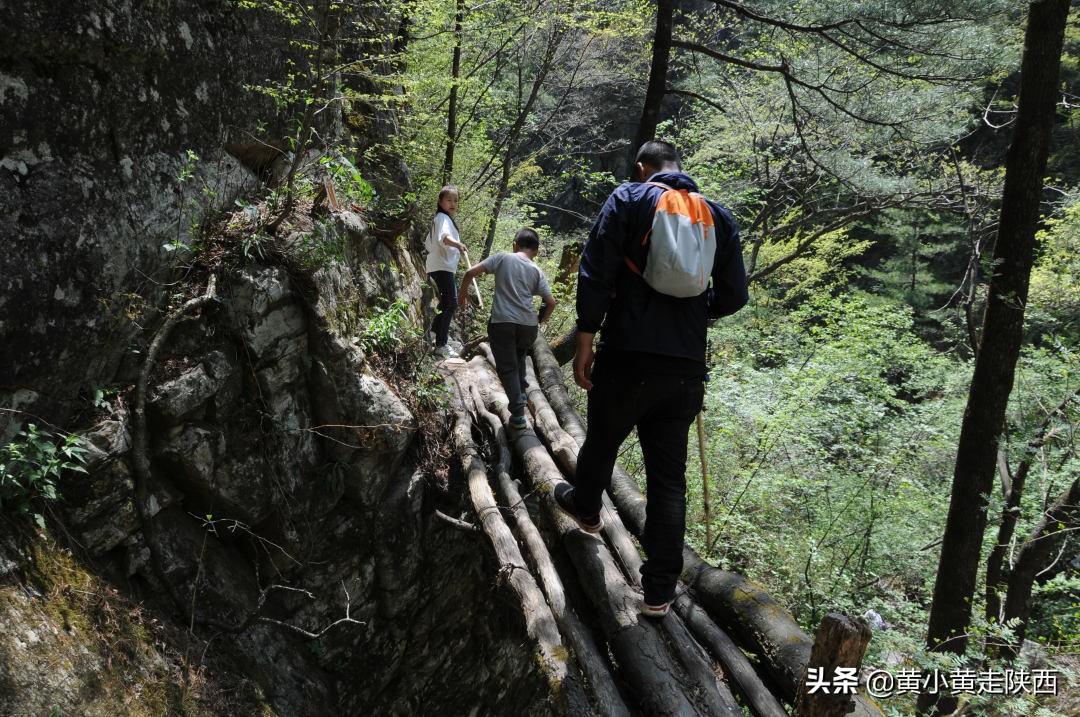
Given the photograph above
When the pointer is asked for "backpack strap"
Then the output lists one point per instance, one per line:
(645, 240)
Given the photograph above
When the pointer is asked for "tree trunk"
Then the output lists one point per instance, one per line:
(991, 384)
(452, 105)
(840, 643)
(1035, 556)
(996, 574)
(1013, 488)
(658, 71)
(554, 42)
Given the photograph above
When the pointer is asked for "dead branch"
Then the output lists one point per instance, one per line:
(454, 522)
(140, 442)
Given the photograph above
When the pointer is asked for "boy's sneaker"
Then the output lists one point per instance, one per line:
(657, 611)
(445, 351)
(519, 422)
(564, 498)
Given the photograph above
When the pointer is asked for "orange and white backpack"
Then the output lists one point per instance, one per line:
(680, 246)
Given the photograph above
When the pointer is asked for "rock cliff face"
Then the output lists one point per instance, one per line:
(284, 488)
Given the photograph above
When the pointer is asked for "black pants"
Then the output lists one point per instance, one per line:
(510, 344)
(662, 407)
(444, 282)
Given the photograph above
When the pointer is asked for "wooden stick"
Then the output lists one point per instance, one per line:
(479, 300)
(706, 508)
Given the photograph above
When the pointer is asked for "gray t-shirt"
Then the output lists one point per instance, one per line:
(517, 280)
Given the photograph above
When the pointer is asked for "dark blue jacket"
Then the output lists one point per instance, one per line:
(631, 315)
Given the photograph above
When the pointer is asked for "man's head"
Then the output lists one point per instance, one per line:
(527, 240)
(656, 156)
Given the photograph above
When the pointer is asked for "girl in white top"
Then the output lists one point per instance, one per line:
(444, 249)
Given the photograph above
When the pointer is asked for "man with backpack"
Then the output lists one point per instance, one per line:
(644, 285)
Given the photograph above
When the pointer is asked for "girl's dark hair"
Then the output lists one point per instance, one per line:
(442, 193)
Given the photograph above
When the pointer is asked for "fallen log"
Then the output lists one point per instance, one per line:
(540, 624)
(594, 666)
(740, 671)
(637, 646)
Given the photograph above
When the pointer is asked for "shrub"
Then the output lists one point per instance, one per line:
(30, 466)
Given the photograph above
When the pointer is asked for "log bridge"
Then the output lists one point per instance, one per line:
(726, 647)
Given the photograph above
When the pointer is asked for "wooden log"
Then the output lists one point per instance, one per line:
(550, 379)
(595, 668)
(830, 684)
(740, 671)
(540, 624)
(564, 347)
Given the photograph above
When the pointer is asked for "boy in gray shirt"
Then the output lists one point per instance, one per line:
(513, 324)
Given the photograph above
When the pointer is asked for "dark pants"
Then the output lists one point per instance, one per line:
(662, 407)
(510, 344)
(444, 282)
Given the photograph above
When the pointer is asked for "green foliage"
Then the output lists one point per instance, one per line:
(30, 467)
(505, 54)
(1054, 299)
(317, 249)
(837, 422)
(1055, 618)
(349, 183)
(922, 258)
(189, 207)
(387, 329)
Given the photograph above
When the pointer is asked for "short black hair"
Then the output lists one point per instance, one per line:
(657, 153)
(527, 239)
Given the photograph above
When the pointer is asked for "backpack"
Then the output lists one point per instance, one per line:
(680, 245)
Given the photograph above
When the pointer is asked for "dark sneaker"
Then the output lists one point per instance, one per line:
(564, 497)
(519, 422)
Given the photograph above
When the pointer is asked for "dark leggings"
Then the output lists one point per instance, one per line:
(444, 282)
(510, 344)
